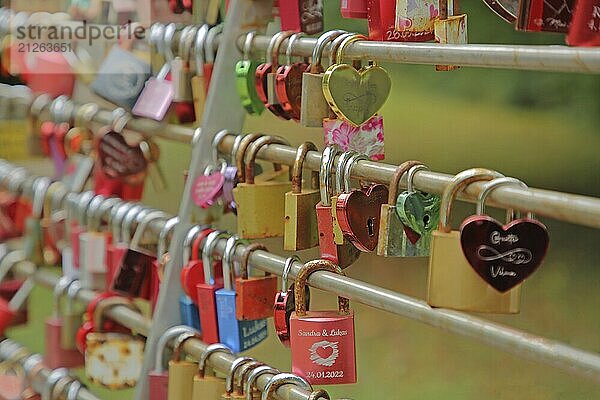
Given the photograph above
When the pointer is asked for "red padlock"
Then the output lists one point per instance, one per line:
(301, 16)
(382, 23)
(322, 342)
(8, 288)
(9, 310)
(77, 225)
(353, 9)
(207, 304)
(192, 272)
(254, 294)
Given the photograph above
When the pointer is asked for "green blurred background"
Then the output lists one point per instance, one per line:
(541, 127)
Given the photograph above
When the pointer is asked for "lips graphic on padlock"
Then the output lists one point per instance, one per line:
(324, 353)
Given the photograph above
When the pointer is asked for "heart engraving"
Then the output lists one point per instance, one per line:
(503, 256)
(353, 95)
(118, 159)
(358, 214)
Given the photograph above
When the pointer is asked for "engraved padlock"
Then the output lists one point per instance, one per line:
(181, 371)
(301, 231)
(92, 245)
(452, 282)
(180, 66)
(239, 335)
(322, 342)
(261, 204)
(207, 385)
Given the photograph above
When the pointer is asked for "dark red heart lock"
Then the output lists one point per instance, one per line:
(585, 24)
(354, 9)
(89, 325)
(343, 255)
(503, 255)
(192, 272)
(288, 85)
(322, 342)
(285, 303)
(207, 305)
(254, 294)
(301, 16)
(382, 21)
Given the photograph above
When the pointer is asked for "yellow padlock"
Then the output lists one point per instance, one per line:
(208, 386)
(300, 224)
(452, 282)
(261, 204)
(181, 372)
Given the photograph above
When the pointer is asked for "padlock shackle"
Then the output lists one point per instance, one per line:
(199, 49)
(116, 219)
(335, 44)
(60, 289)
(162, 236)
(210, 350)
(107, 204)
(339, 170)
(242, 375)
(163, 341)
(186, 39)
(85, 115)
(290, 46)
(227, 261)
(299, 286)
(49, 202)
(143, 225)
(494, 184)
(197, 245)
(245, 264)
(238, 362)
(253, 152)
(319, 394)
(410, 185)
(51, 380)
(73, 290)
(287, 267)
(315, 65)
(40, 188)
(395, 181)
(209, 48)
(217, 139)
(207, 257)
(133, 215)
(272, 52)
(459, 182)
(9, 261)
(107, 303)
(167, 41)
(247, 47)
(327, 160)
(301, 153)
(240, 154)
(180, 340)
(254, 375)
(352, 161)
(74, 389)
(283, 379)
(92, 209)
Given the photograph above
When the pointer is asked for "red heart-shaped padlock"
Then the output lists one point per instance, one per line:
(503, 256)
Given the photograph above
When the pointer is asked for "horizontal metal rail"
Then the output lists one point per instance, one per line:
(521, 57)
(511, 340)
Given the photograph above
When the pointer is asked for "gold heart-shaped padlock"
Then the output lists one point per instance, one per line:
(355, 96)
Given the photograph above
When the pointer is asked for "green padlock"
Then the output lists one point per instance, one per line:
(244, 79)
(419, 213)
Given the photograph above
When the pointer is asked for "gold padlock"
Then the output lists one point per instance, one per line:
(260, 204)
(208, 386)
(181, 372)
(452, 282)
(300, 224)
(389, 243)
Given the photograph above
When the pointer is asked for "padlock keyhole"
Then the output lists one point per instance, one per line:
(426, 219)
(371, 226)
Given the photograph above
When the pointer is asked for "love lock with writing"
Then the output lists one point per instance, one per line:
(452, 282)
(207, 385)
(57, 356)
(158, 378)
(301, 231)
(239, 335)
(113, 360)
(181, 371)
(322, 342)
(254, 294)
(420, 214)
(260, 204)
(245, 71)
(503, 255)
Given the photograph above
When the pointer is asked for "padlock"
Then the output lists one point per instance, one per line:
(343, 160)
(314, 107)
(197, 81)
(301, 16)
(181, 372)
(300, 223)
(156, 97)
(549, 16)
(415, 23)
(266, 76)
(251, 394)
(57, 356)
(354, 9)
(92, 247)
(382, 22)
(242, 375)
(585, 24)
(210, 53)
(206, 385)
(10, 309)
(420, 214)
(322, 342)
(189, 312)
(71, 317)
(288, 81)
(33, 230)
(245, 71)
(228, 394)
(58, 389)
(285, 304)
(158, 378)
(54, 377)
(451, 282)
(162, 258)
(113, 360)
(239, 335)
(260, 205)
(180, 66)
(390, 241)
(284, 379)
(192, 272)
(207, 305)
(450, 28)
(503, 255)
(346, 253)
(254, 294)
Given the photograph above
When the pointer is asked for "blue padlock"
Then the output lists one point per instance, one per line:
(189, 312)
(237, 335)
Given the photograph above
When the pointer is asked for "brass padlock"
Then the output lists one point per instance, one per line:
(208, 386)
(389, 243)
(181, 372)
(314, 107)
(452, 282)
(260, 205)
(300, 222)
